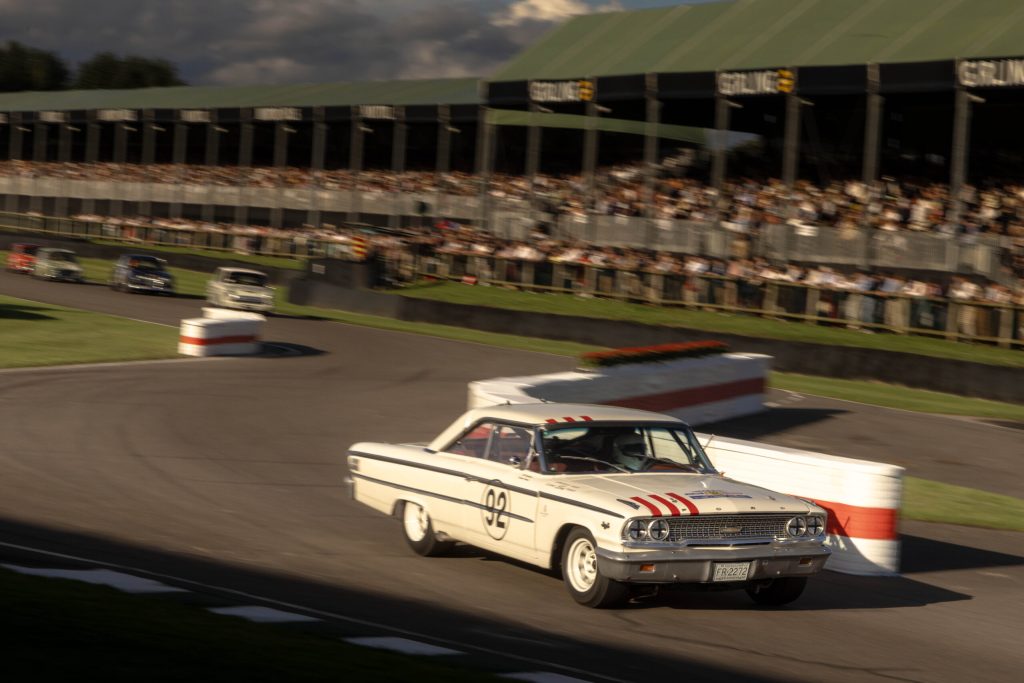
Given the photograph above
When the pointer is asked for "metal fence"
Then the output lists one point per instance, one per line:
(1002, 325)
(514, 219)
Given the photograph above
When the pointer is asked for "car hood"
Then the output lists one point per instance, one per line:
(247, 289)
(151, 273)
(650, 494)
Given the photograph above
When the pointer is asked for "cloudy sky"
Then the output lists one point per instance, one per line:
(238, 42)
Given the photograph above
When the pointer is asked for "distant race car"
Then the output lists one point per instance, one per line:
(141, 273)
(22, 257)
(240, 288)
(58, 264)
(618, 499)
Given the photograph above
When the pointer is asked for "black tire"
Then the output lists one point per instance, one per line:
(778, 592)
(418, 530)
(581, 575)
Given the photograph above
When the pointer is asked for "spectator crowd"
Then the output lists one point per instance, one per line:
(858, 297)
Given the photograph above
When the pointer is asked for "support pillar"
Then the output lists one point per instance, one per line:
(244, 161)
(316, 166)
(395, 220)
(441, 165)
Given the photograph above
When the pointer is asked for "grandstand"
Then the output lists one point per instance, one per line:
(833, 89)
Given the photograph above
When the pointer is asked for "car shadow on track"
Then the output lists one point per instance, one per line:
(361, 609)
(825, 592)
(929, 555)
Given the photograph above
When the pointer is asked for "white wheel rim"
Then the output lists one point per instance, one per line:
(416, 520)
(582, 565)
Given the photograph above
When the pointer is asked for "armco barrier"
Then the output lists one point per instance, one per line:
(863, 498)
(221, 333)
(698, 390)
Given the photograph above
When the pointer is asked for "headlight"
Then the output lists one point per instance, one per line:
(658, 530)
(797, 527)
(637, 530)
(815, 525)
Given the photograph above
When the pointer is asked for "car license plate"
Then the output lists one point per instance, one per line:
(731, 571)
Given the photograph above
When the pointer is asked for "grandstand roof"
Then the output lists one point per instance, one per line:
(400, 93)
(759, 34)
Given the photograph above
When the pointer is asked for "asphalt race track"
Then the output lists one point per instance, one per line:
(228, 472)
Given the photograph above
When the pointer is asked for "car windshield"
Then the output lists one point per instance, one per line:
(146, 264)
(575, 448)
(66, 256)
(252, 279)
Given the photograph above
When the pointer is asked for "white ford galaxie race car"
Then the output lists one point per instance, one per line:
(616, 498)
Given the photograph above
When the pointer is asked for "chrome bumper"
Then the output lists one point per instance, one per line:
(697, 565)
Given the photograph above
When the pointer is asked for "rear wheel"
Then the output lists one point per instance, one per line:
(778, 592)
(419, 532)
(582, 575)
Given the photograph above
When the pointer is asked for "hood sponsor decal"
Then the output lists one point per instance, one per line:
(714, 493)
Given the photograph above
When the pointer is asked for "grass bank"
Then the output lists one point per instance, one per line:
(932, 501)
(60, 630)
(743, 325)
(33, 334)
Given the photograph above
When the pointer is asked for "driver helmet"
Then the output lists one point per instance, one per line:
(629, 449)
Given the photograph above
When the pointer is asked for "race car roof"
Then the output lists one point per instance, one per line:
(541, 414)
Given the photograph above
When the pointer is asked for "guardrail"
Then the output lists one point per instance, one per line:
(512, 218)
(291, 246)
(972, 321)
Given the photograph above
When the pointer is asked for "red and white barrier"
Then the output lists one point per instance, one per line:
(862, 498)
(221, 333)
(697, 390)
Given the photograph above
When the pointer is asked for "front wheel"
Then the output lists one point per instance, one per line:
(779, 591)
(582, 575)
(419, 532)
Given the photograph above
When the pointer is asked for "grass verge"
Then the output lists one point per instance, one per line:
(65, 630)
(892, 396)
(744, 325)
(932, 501)
(33, 334)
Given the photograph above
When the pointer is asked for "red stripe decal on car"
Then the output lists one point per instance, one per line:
(568, 419)
(688, 504)
(551, 420)
(667, 503)
(655, 510)
(586, 418)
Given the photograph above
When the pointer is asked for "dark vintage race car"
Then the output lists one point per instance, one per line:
(141, 273)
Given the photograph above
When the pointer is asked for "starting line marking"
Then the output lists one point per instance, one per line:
(403, 645)
(102, 577)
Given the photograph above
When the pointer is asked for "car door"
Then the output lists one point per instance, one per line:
(501, 497)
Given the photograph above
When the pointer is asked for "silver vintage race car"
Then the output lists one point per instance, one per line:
(616, 498)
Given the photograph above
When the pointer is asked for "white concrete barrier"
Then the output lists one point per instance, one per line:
(221, 333)
(697, 390)
(863, 498)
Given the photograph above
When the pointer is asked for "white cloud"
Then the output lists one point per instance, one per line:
(522, 11)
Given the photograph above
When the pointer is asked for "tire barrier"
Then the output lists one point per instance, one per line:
(697, 390)
(221, 333)
(862, 498)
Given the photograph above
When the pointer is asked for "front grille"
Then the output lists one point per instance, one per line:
(713, 527)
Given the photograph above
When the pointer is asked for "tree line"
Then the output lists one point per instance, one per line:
(28, 68)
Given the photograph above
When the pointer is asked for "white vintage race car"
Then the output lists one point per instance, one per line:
(614, 497)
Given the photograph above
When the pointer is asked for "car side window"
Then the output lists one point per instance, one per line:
(474, 442)
(509, 442)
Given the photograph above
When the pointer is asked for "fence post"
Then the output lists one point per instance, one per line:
(1005, 326)
(952, 320)
(589, 280)
(771, 297)
(813, 297)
